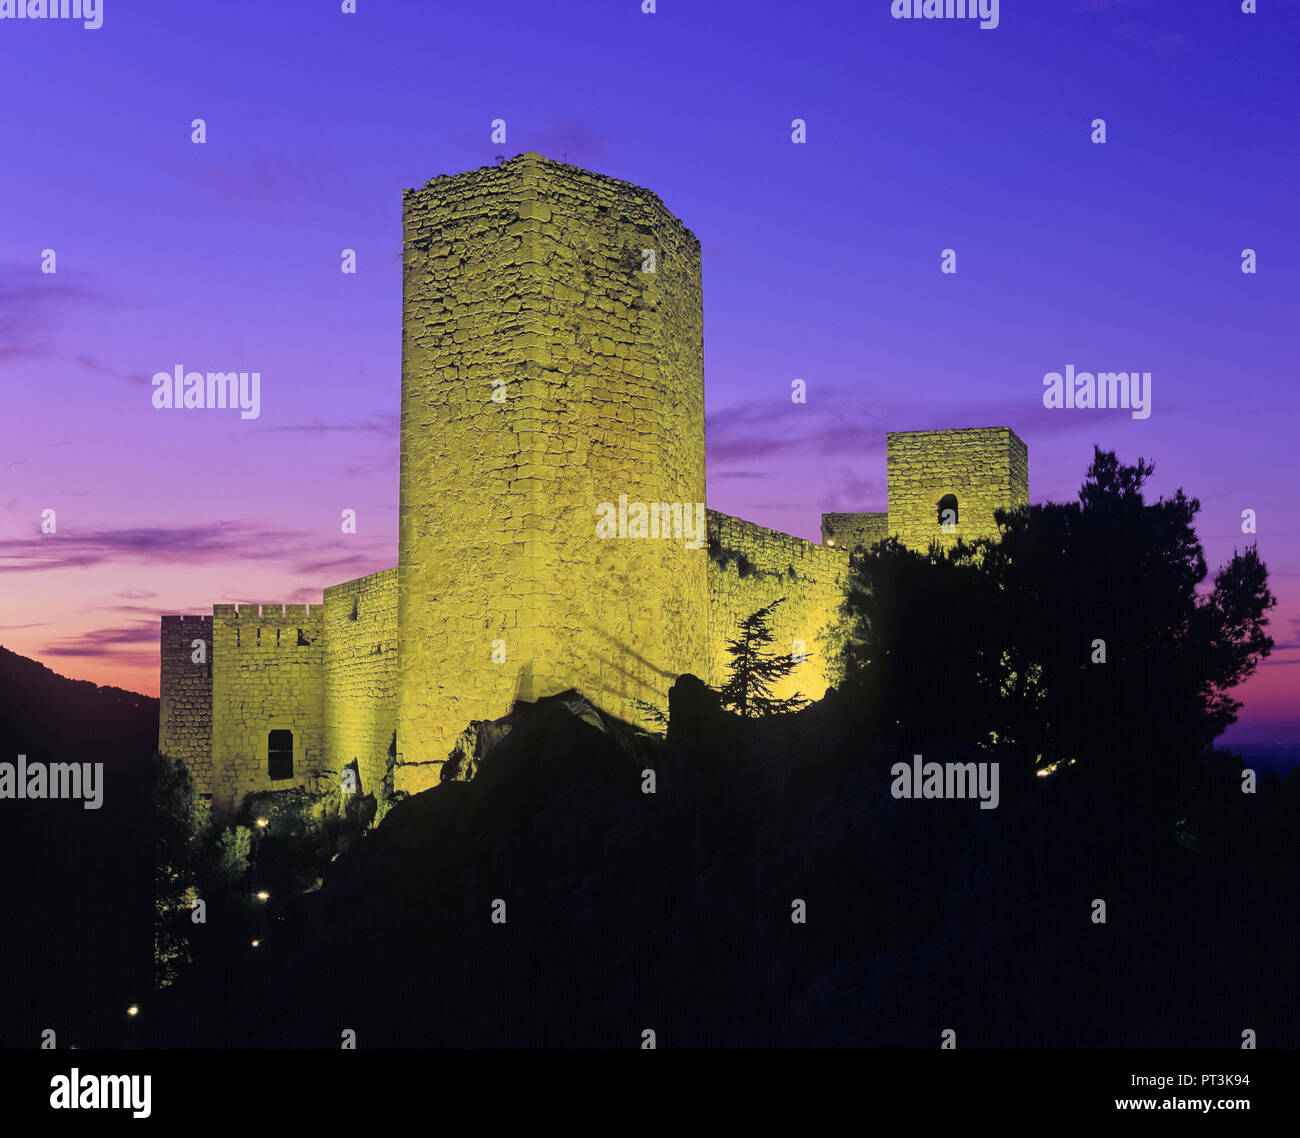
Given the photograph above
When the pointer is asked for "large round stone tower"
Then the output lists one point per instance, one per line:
(552, 377)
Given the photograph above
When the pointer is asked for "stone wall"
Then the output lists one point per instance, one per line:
(850, 531)
(530, 275)
(270, 675)
(361, 674)
(185, 696)
(750, 567)
(1019, 459)
(985, 468)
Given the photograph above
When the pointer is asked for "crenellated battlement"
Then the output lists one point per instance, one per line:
(248, 615)
(242, 627)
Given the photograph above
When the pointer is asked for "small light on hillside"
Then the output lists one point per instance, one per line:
(264, 896)
(133, 1010)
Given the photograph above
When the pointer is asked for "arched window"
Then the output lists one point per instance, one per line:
(279, 754)
(948, 512)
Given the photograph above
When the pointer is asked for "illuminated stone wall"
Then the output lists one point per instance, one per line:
(530, 274)
(265, 679)
(185, 696)
(360, 627)
(850, 531)
(749, 568)
(985, 468)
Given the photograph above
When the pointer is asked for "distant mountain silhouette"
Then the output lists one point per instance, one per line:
(75, 884)
(51, 718)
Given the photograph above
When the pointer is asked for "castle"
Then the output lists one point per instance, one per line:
(552, 364)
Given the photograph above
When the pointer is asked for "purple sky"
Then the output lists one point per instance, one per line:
(821, 261)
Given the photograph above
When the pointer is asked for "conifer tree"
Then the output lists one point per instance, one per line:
(754, 670)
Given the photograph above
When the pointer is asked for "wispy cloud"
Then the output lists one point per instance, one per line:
(851, 492)
(105, 641)
(839, 424)
(1289, 645)
(30, 301)
(772, 429)
(179, 545)
(387, 425)
(92, 364)
(151, 611)
(359, 564)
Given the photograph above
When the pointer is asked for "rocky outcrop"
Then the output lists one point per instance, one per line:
(754, 883)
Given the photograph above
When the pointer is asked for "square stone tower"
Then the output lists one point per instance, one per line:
(552, 360)
(945, 485)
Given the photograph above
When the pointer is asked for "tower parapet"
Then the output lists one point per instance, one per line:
(946, 485)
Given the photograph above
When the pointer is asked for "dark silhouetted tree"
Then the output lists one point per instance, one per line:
(920, 646)
(1082, 636)
(753, 671)
(1117, 575)
(173, 806)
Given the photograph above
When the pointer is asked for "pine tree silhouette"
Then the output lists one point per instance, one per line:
(754, 671)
